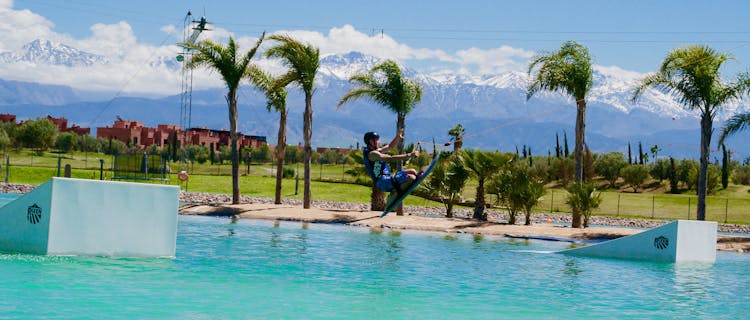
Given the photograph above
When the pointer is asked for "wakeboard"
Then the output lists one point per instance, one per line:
(400, 198)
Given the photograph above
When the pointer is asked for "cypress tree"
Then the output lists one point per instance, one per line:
(531, 161)
(557, 145)
(672, 177)
(588, 166)
(630, 155)
(724, 167)
(640, 153)
(174, 145)
(565, 138)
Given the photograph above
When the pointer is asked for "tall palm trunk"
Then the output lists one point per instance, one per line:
(479, 203)
(578, 152)
(307, 128)
(232, 101)
(377, 199)
(706, 129)
(400, 124)
(280, 154)
(580, 131)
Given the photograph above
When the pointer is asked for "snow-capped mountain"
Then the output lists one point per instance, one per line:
(47, 52)
(493, 108)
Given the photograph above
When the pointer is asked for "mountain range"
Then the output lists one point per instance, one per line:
(492, 108)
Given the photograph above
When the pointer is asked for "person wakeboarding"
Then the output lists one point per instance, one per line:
(375, 160)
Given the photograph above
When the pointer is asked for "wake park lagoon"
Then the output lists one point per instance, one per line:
(250, 268)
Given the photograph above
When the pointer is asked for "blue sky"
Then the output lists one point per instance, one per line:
(453, 36)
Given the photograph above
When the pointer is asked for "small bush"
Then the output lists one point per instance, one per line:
(742, 175)
(288, 173)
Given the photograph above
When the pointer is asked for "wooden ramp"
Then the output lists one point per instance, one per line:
(681, 240)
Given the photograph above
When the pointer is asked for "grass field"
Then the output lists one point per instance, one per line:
(731, 205)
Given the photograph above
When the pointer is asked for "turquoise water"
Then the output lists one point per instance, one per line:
(255, 270)
(7, 197)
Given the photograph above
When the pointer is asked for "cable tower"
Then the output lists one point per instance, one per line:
(186, 97)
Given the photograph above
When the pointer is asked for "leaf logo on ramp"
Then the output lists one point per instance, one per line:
(661, 242)
(34, 214)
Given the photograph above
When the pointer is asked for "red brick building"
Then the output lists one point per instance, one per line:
(61, 123)
(136, 133)
(125, 131)
(8, 118)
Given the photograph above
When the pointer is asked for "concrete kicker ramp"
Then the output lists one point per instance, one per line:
(90, 217)
(681, 240)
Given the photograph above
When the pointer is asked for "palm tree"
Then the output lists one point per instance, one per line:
(567, 70)
(457, 134)
(386, 85)
(691, 75)
(736, 123)
(303, 61)
(232, 65)
(483, 165)
(447, 181)
(584, 198)
(276, 97)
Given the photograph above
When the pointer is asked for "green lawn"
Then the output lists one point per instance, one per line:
(732, 204)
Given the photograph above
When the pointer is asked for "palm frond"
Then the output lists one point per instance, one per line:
(736, 123)
(568, 70)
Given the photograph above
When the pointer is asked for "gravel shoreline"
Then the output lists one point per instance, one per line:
(494, 215)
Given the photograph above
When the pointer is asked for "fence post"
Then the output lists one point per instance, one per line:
(726, 210)
(7, 167)
(59, 161)
(653, 200)
(618, 204)
(101, 169)
(688, 208)
(552, 201)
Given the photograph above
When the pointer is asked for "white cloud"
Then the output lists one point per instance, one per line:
(138, 68)
(614, 71)
(19, 26)
(494, 60)
(347, 39)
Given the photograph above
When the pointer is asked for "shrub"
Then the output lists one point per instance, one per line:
(742, 175)
(635, 175)
(288, 173)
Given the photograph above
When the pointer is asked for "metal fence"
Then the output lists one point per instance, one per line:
(657, 206)
(140, 167)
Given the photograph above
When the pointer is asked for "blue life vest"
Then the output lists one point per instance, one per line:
(378, 170)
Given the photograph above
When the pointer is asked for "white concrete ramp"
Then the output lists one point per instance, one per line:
(90, 217)
(682, 240)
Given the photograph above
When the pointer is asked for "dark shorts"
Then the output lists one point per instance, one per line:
(386, 183)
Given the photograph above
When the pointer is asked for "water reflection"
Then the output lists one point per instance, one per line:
(301, 240)
(692, 283)
(387, 249)
(477, 238)
(571, 267)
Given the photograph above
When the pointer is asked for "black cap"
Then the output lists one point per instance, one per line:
(371, 136)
